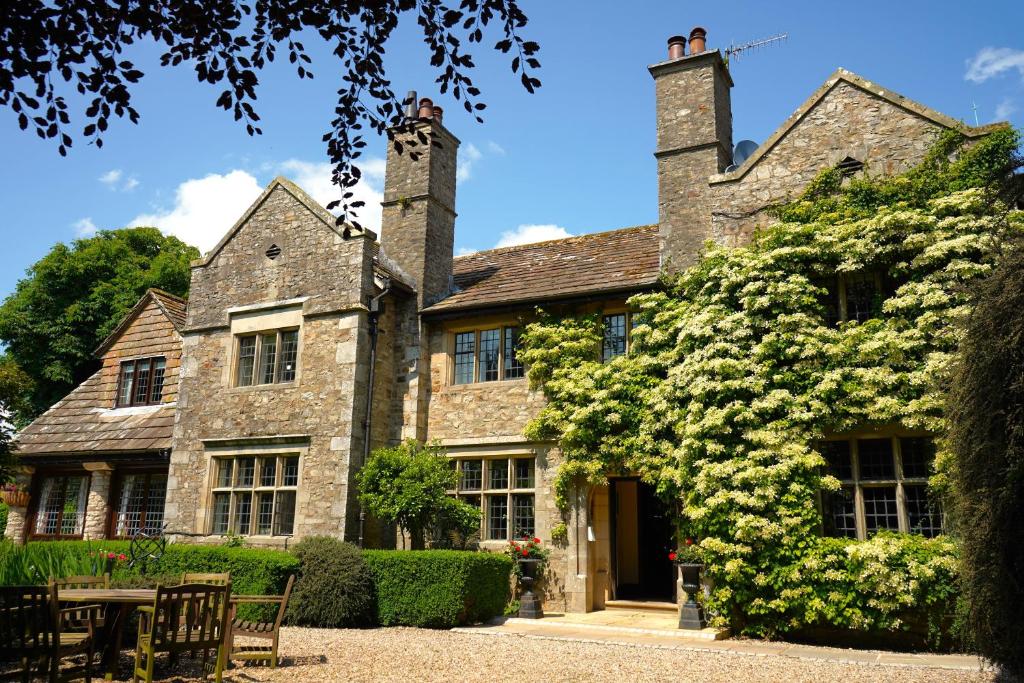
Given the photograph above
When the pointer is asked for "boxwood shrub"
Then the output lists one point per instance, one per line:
(335, 587)
(438, 588)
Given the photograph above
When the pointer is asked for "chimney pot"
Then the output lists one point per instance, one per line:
(426, 108)
(410, 104)
(438, 113)
(698, 40)
(676, 47)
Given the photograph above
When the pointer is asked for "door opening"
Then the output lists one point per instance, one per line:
(642, 536)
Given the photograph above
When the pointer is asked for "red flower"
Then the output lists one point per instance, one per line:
(672, 556)
(122, 557)
(689, 541)
(525, 552)
(110, 556)
(536, 540)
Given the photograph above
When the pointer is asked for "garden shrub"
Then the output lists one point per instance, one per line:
(438, 588)
(735, 371)
(3, 518)
(335, 586)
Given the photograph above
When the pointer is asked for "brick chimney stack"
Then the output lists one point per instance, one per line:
(418, 224)
(694, 141)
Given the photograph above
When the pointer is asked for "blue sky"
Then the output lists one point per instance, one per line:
(574, 158)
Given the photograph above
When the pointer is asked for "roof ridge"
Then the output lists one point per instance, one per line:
(165, 293)
(530, 245)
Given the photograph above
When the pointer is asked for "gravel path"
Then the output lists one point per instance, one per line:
(406, 654)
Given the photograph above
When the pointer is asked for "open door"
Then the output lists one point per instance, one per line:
(642, 536)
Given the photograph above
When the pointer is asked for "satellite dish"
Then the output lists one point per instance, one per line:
(744, 148)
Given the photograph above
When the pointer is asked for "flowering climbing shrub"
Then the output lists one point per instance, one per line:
(736, 368)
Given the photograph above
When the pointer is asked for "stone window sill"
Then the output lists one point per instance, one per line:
(278, 386)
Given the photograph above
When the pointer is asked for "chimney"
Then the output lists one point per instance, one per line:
(418, 224)
(694, 142)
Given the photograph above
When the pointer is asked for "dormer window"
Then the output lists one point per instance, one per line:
(141, 382)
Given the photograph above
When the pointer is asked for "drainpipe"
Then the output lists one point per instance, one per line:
(373, 318)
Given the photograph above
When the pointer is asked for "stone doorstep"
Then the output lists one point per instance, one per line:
(682, 634)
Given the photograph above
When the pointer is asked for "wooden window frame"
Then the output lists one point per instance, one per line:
(257, 369)
(837, 292)
(36, 500)
(486, 492)
(256, 488)
(627, 318)
(898, 481)
(503, 330)
(150, 400)
(118, 489)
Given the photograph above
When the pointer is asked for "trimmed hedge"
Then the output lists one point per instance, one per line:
(438, 588)
(335, 587)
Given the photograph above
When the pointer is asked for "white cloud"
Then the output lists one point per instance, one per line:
(130, 185)
(206, 208)
(494, 148)
(84, 227)
(465, 251)
(468, 156)
(111, 177)
(992, 61)
(1005, 109)
(527, 234)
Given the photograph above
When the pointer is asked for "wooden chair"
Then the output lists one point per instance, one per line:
(254, 629)
(190, 617)
(214, 579)
(32, 632)
(74, 582)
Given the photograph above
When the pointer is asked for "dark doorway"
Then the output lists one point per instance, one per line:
(642, 536)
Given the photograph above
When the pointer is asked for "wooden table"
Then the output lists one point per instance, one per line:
(125, 600)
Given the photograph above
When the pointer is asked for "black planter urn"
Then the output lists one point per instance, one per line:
(529, 603)
(691, 614)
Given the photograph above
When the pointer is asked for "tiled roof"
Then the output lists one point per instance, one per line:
(174, 307)
(617, 261)
(83, 423)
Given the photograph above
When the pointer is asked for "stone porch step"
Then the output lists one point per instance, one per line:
(559, 625)
(642, 605)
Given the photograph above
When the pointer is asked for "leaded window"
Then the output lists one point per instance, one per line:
(505, 489)
(140, 505)
(854, 296)
(267, 358)
(487, 356)
(613, 337)
(884, 486)
(490, 350)
(61, 508)
(140, 382)
(255, 495)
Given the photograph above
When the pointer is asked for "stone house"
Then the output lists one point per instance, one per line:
(305, 345)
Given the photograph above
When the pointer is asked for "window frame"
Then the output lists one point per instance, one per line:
(36, 501)
(150, 362)
(518, 372)
(118, 492)
(254, 489)
(627, 317)
(898, 482)
(836, 294)
(258, 371)
(510, 492)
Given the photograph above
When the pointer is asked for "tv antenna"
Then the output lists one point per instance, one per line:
(734, 51)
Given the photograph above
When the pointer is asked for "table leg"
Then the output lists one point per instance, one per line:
(112, 652)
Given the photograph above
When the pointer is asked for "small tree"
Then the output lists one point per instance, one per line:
(407, 485)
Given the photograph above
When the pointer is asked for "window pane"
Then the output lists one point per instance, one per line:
(268, 471)
(155, 504)
(497, 517)
(614, 336)
(243, 513)
(513, 366)
(142, 382)
(290, 476)
(76, 491)
(472, 475)
(524, 473)
(918, 455)
(289, 356)
(51, 500)
(264, 513)
(489, 345)
(224, 471)
(465, 357)
(880, 509)
(246, 472)
(284, 513)
(131, 505)
(246, 360)
(837, 458)
(127, 383)
(839, 514)
(923, 514)
(497, 477)
(221, 507)
(876, 461)
(861, 296)
(522, 515)
(268, 356)
(159, 366)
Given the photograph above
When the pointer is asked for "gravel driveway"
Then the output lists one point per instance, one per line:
(407, 654)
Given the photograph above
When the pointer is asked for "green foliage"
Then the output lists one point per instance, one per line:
(3, 518)
(527, 548)
(734, 372)
(34, 563)
(986, 464)
(15, 387)
(406, 485)
(335, 587)
(438, 588)
(75, 296)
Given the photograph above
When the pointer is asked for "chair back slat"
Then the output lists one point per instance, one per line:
(191, 616)
(28, 622)
(76, 582)
(216, 579)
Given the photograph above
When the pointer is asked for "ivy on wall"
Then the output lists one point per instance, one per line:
(735, 370)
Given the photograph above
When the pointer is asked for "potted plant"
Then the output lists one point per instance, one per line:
(14, 495)
(690, 562)
(529, 558)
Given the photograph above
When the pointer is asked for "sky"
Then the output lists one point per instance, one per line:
(574, 158)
